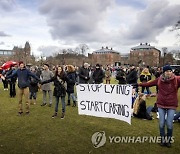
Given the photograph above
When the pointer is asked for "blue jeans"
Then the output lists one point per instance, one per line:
(168, 120)
(72, 96)
(149, 109)
(147, 89)
(57, 103)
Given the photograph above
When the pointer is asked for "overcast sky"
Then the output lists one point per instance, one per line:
(50, 25)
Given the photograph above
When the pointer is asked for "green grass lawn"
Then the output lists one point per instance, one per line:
(39, 133)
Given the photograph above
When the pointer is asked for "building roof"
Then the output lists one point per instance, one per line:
(143, 46)
(105, 50)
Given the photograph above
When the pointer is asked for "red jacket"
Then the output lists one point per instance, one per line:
(168, 91)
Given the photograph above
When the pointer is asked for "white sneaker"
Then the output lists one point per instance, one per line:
(157, 115)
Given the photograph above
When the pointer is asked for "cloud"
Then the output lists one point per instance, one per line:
(48, 50)
(153, 21)
(2, 43)
(7, 5)
(75, 20)
(112, 22)
(3, 34)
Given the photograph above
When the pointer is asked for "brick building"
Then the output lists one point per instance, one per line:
(145, 54)
(105, 56)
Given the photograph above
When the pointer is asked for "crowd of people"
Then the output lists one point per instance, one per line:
(30, 80)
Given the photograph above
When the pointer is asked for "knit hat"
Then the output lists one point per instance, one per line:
(97, 65)
(166, 68)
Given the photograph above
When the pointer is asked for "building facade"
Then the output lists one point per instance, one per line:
(16, 54)
(145, 54)
(105, 56)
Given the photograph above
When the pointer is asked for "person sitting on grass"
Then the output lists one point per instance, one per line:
(167, 101)
(177, 117)
(139, 108)
(59, 89)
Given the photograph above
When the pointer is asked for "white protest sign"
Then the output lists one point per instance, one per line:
(105, 100)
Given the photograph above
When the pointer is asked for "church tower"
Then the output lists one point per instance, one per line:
(27, 49)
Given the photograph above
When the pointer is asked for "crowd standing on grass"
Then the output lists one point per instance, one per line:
(64, 79)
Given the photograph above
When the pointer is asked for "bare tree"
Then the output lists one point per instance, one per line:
(176, 28)
(83, 49)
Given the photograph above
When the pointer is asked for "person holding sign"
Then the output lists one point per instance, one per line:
(59, 90)
(167, 101)
(98, 75)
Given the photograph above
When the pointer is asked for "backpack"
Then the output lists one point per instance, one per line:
(175, 83)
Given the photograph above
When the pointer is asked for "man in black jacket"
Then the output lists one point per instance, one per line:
(84, 74)
(98, 75)
(132, 77)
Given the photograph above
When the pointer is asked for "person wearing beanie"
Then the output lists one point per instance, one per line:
(167, 101)
(98, 75)
(167, 68)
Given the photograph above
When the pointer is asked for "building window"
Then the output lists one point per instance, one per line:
(1, 52)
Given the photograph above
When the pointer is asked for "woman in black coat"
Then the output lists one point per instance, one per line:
(33, 86)
(59, 89)
(71, 76)
(12, 81)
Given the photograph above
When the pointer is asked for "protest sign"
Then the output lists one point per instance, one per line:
(105, 100)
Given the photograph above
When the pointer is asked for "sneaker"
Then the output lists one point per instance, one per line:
(44, 104)
(157, 115)
(50, 105)
(27, 113)
(54, 115)
(63, 115)
(20, 113)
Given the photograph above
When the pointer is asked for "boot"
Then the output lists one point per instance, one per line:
(169, 136)
(69, 103)
(74, 104)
